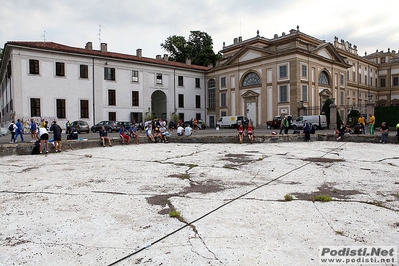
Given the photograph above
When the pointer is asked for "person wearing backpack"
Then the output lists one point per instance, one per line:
(12, 127)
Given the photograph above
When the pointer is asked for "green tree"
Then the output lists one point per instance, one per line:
(198, 47)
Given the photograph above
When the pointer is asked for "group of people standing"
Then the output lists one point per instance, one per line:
(38, 133)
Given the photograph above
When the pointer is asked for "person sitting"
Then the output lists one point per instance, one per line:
(341, 131)
(73, 134)
(188, 131)
(358, 129)
(104, 136)
(180, 131)
(240, 132)
(124, 134)
(250, 133)
(134, 133)
(163, 132)
(149, 134)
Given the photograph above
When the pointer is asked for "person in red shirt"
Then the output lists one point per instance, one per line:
(240, 131)
(250, 133)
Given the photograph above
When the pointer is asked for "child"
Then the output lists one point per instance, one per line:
(240, 131)
(250, 133)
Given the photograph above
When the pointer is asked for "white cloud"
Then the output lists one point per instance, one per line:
(128, 24)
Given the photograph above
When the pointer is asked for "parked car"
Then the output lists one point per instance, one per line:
(276, 122)
(127, 125)
(81, 126)
(108, 125)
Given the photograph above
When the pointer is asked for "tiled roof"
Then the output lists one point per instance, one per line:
(69, 49)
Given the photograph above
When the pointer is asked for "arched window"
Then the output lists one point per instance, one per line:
(211, 94)
(323, 78)
(251, 79)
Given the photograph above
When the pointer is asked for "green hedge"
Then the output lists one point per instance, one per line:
(388, 114)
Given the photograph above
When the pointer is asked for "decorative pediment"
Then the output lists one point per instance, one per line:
(325, 93)
(324, 53)
(249, 55)
(249, 94)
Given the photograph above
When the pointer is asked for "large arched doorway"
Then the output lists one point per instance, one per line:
(158, 105)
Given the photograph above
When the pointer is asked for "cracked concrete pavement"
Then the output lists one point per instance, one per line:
(96, 206)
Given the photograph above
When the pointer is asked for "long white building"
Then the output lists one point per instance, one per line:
(46, 79)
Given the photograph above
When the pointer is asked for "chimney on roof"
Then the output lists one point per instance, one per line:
(158, 56)
(89, 46)
(139, 53)
(235, 40)
(103, 47)
(166, 57)
(275, 36)
(239, 39)
(283, 34)
(188, 61)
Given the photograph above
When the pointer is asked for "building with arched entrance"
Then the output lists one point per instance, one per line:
(294, 74)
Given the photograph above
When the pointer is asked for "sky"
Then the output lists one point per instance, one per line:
(128, 25)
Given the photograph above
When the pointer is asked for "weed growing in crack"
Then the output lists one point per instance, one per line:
(174, 213)
(185, 176)
(229, 166)
(288, 197)
(341, 233)
(322, 198)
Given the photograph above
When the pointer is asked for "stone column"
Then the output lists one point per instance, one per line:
(333, 116)
(370, 108)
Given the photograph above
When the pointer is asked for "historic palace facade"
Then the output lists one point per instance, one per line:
(291, 74)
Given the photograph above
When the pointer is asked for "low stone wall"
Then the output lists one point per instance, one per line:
(25, 148)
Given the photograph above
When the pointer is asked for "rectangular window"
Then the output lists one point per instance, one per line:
(135, 76)
(109, 73)
(198, 116)
(35, 107)
(342, 82)
(382, 83)
(304, 71)
(159, 78)
(283, 71)
(223, 102)
(396, 81)
(135, 98)
(61, 108)
(304, 93)
(59, 69)
(84, 71)
(111, 97)
(283, 93)
(197, 83)
(84, 108)
(181, 100)
(197, 101)
(360, 78)
(33, 66)
(211, 98)
(180, 81)
(223, 113)
(371, 81)
(223, 82)
(112, 116)
(181, 116)
(342, 100)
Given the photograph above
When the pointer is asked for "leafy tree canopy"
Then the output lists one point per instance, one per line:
(198, 47)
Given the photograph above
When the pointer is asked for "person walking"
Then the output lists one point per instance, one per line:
(306, 129)
(371, 124)
(12, 128)
(286, 125)
(68, 127)
(19, 131)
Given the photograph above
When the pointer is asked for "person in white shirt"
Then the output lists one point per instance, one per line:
(43, 135)
(188, 131)
(179, 131)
